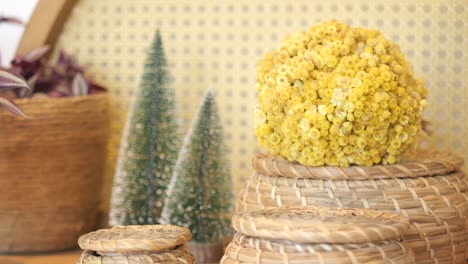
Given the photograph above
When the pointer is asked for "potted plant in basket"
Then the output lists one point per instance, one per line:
(51, 162)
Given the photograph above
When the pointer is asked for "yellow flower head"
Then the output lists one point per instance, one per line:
(339, 96)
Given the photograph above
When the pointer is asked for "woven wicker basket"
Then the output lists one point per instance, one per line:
(312, 235)
(428, 187)
(51, 166)
(149, 244)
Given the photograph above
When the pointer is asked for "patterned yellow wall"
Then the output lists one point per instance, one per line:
(218, 43)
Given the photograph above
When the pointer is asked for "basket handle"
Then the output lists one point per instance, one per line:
(45, 24)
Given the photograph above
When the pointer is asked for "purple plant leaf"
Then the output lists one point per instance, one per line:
(63, 86)
(33, 80)
(19, 64)
(56, 93)
(96, 88)
(12, 20)
(57, 79)
(32, 84)
(10, 80)
(36, 54)
(63, 58)
(25, 68)
(64, 62)
(79, 85)
(9, 105)
(59, 70)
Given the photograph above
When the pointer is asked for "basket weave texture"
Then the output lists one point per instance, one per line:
(436, 201)
(135, 239)
(416, 164)
(177, 255)
(318, 225)
(51, 166)
(311, 235)
(136, 245)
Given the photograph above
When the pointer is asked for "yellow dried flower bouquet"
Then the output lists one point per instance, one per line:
(336, 95)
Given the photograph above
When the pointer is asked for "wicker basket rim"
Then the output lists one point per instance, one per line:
(133, 238)
(420, 163)
(314, 224)
(380, 254)
(270, 244)
(47, 99)
(239, 255)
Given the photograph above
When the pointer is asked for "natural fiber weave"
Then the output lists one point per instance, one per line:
(403, 259)
(384, 252)
(286, 246)
(321, 225)
(176, 255)
(312, 235)
(135, 239)
(417, 164)
(400, 195)
(51, 167)
(437, 206)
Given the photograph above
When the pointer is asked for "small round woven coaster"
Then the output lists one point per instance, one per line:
(420, 163)
(135, 239)
(321, 225)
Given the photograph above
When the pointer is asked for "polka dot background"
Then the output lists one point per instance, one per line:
(218, 44)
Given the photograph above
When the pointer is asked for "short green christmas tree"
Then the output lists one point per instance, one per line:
(149, 146)
(199, 196)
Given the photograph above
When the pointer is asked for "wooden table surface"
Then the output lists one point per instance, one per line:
(65, 257)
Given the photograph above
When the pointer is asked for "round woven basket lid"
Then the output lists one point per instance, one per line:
(420, 163)
(321, 225)
(135, 239)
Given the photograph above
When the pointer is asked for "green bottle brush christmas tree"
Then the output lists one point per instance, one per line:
(199, 196)
(149, 146)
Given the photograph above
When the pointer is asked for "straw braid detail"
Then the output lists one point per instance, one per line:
(437, 204)
(428, 164)
(135, 239)
(272, 223)
(244, 249)
(178, 255)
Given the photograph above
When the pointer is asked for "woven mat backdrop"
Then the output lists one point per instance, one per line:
(218, 43)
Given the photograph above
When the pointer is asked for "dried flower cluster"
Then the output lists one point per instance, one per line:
(336, 95)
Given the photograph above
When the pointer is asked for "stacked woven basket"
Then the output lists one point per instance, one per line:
(428, 188)
(318, 235)
(136, 245)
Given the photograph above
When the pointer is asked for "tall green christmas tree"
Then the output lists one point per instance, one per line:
(149, 146)
(199, 196)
